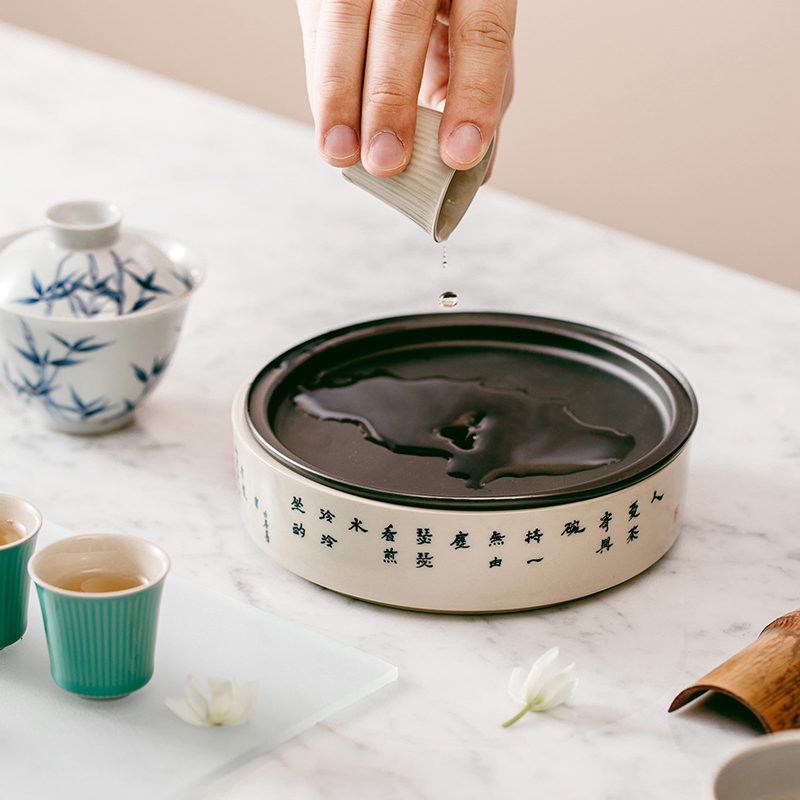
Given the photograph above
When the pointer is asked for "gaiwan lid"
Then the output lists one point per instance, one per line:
(82, 264)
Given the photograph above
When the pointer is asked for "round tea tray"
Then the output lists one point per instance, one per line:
(466, 462)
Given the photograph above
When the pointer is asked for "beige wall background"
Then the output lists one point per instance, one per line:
(676, 120)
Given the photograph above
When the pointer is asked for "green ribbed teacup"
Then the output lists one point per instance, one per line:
(100, 595)
(20, 522)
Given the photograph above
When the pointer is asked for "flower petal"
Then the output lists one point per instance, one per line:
(181, 707)
(556, 679)
(564, 693)
(243, 704)
(556, 691)
(546, 685)
(541, 671)
(221, 700)
(219, 685)
(515, 685)
(197, 698)
(225, 704)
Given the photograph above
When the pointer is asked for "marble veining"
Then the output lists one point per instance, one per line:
(292, 251)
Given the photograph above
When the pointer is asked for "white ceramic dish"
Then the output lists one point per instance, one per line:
(87, 365)
(768, 769)
(326, 501)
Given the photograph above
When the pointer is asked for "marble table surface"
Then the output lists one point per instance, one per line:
(292, 250)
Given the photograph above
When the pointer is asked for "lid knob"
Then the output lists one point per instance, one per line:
(84, 224)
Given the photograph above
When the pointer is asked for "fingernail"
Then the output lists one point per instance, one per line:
(464, 144)
(340, 142)
(386, 151)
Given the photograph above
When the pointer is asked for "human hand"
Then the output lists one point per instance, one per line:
(369, 62)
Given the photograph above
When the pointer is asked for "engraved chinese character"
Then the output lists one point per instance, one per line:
(606, 544)
(534, 536)
(657, 496)
(255, 500)
(326, 515)
(604, 520)
(297, 505)
(496, 538)
(633, 533)
(389, 533)
(266, 527)
(460, 542)
(495, 562)
(633, 510)
(298, 529)
(424, 560)
(572, 527)
(327, 540)
(389, 556)
(357, 525)
(424, 536)
(531, 560)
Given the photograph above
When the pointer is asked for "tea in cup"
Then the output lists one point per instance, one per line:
(100, 596)
(20, 522)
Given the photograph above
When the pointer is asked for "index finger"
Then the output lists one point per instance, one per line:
(336, 75)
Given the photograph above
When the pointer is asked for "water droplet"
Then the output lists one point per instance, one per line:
(448, 299)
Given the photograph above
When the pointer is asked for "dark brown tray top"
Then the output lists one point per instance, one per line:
(480, 410)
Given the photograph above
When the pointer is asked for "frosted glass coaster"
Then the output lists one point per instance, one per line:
(59, 745)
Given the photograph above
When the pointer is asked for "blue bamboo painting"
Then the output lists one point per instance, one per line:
(87, 293)
(46, 367)
(43, 376)
(147, 379)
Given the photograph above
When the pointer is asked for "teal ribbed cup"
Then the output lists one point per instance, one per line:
(101, 644)
(14, 582)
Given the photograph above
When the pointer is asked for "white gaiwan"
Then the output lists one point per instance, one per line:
(90, 314)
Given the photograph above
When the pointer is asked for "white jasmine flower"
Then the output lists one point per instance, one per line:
(225, 705)
(546, 686)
